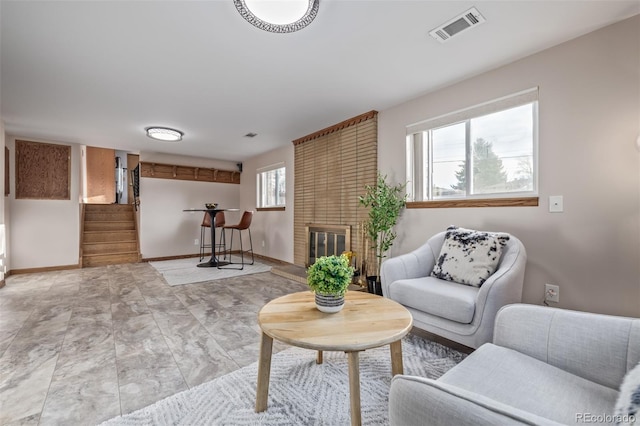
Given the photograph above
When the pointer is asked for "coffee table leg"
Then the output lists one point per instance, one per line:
(264, 370)
(396, 358)
(319, 358)
(354, 387)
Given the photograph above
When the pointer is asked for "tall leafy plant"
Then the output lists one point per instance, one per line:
(385, 201)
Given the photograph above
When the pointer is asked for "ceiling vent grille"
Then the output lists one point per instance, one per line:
(468, 19)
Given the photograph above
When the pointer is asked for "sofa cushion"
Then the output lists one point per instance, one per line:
(468, 256)
(628, 404)
(445, 299)
(531, 385)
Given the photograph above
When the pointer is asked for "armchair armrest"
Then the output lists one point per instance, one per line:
(420, 401)
(415, 264)
(600, 348)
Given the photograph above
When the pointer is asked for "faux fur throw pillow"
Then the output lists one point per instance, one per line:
(628, 404)
(469, 257)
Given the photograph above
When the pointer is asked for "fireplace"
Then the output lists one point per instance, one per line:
(325, 240)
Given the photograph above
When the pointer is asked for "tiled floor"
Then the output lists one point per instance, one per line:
(79, 347)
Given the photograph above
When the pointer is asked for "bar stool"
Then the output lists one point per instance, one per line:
(244, 224)
(205, 225)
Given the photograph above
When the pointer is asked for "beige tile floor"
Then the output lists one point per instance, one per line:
(82, 346)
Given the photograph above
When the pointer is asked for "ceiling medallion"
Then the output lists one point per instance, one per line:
(164, 134)
(269, 8)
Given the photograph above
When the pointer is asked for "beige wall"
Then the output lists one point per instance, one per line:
(589, 111)
(272, 231)
(44, 233)
(165, 230)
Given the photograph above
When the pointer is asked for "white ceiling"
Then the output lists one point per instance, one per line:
(99, 72)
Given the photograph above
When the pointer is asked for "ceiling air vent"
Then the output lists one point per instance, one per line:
(456, 25)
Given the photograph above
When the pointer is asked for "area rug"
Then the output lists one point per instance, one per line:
(301, 392)
(186, 271)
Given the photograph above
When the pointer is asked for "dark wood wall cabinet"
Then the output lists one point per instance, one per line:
(200, 174)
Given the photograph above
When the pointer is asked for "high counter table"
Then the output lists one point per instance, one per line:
(213, 262)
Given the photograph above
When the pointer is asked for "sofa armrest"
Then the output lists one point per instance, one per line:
(600, 348)
(415, 264)
(420, 401)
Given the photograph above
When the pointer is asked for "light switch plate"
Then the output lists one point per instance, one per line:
(556, 204)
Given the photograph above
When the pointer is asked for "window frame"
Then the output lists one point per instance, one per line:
(419, 156)
(260, 178)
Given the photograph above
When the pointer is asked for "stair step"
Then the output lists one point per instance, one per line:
(109, 226)
(109, 259)
(112, 247)
(106, 208)
(115, 216)
(107, 236)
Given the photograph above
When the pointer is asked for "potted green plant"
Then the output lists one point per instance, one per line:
(329, 277)
(385, 201)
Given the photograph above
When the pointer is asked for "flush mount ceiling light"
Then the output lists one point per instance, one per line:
(278, 16)
(164, 134)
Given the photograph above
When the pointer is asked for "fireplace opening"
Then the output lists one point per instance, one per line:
(326, 240)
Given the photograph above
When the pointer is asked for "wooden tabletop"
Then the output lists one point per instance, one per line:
(366, 321)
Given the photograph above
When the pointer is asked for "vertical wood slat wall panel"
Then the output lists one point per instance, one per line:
(331, 171)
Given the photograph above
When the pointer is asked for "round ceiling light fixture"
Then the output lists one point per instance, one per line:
(278, 16)
(164, 134)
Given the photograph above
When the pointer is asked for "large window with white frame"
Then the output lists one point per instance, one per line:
(486, 151)
(271, 186)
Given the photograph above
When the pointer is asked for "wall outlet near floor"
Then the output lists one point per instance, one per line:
(262, 243)
(551, 293)
(196, 242)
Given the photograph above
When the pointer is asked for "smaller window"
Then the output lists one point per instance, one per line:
(271, 186)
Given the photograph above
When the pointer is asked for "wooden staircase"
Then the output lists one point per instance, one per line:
(109, 235)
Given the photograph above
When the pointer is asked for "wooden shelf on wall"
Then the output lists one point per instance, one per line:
(199, 174)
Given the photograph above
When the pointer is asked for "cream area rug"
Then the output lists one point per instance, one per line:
(186, 271)
(301, 392)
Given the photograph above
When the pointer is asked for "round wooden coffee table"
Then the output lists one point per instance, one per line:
(366, 321)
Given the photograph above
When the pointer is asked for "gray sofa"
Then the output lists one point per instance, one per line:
(458, 312)
(545, 366)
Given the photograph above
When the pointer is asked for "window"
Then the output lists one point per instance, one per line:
(487, 151)
(271, 187)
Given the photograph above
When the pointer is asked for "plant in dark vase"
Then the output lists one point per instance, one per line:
(329, 277)
(385, 202)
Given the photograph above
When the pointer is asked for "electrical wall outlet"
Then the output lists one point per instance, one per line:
(551, 293)
(556, 204)
(196, 242)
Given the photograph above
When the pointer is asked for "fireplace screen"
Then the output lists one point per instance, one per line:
(325, 240)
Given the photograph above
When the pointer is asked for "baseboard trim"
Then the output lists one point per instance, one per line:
(43, 269)
(146, 259)
(272, 259)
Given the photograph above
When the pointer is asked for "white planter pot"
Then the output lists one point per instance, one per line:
(329, 303)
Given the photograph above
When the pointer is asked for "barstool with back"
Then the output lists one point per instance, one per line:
(244, 224)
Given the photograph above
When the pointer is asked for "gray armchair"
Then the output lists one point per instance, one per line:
(458, 312)
(546, 366)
